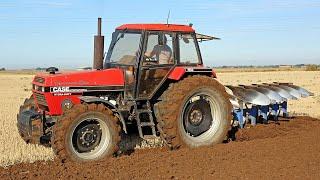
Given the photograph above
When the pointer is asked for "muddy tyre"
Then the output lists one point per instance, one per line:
(193, 112)
(28, 104)
(87, 132)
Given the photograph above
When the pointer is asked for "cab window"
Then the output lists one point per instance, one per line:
(159, 49)
(188, 50)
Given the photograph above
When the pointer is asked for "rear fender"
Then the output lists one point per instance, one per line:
(179, 72)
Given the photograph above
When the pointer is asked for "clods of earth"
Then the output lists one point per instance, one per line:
(285, 151)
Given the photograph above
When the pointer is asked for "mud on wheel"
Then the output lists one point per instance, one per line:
(194, 112)
(86, 133)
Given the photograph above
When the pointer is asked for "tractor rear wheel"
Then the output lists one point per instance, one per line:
(194, 112)
(87, 132)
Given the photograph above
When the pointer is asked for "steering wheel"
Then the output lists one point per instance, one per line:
(150, 60)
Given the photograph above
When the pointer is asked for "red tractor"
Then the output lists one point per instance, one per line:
(152, 78)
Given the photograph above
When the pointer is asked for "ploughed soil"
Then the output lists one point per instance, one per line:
(289, 150)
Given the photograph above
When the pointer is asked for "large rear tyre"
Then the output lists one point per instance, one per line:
(86, 133)
(28, 104)
(194, 112)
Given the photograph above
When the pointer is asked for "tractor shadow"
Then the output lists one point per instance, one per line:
(131, 142)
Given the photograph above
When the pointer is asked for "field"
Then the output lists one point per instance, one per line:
(16, 87)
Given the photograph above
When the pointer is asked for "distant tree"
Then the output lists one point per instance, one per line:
(40, 69)
(312, 67)
(2, 69)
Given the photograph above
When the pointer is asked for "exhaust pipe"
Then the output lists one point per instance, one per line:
(98, 55)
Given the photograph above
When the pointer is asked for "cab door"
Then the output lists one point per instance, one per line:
(158, 58)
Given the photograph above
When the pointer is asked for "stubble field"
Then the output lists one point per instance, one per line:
(14, 88)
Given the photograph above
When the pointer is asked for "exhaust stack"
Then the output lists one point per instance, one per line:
(98, 48)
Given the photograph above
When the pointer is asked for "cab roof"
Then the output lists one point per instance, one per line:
(157, 27)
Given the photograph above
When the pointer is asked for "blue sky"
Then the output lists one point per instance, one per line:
(258, 32)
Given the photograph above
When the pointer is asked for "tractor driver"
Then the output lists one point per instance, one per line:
(161, 51)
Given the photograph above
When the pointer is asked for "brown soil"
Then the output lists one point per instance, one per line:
(285, 151)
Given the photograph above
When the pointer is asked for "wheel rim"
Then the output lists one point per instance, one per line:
(90, 138)
(200, 117)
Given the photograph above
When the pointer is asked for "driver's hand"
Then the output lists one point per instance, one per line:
(147, 54)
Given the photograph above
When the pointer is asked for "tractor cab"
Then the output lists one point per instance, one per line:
(150, 52)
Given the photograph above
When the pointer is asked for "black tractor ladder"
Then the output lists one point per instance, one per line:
(146, 121)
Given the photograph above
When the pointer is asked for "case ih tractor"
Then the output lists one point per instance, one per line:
(151, 78)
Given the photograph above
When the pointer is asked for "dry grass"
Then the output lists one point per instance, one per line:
(16, 87)
(18, 72)
(257, 69)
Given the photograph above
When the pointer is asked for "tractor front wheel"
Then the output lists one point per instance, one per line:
(87, 132)
(194, 112)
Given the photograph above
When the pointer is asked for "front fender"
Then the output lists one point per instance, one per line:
(92, 99)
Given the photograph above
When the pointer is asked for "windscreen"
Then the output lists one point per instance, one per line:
(124, 48)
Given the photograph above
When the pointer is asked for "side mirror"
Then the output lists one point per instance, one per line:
(186, 40)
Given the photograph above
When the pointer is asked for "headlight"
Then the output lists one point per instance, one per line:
(38, 88)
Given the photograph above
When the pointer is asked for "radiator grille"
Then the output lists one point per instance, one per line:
(39, 79)
(41, 99)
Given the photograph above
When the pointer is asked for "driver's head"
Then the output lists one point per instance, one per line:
(162, 39)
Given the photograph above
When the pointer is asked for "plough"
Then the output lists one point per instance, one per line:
(263, 102)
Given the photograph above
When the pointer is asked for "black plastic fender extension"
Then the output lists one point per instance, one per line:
(94, 99)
